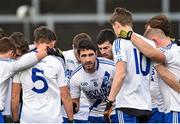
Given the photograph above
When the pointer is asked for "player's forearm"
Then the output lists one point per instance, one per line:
(67, 101)
(168, 77)
(117, 80)
(15, 109)
(68, 106)
(147, 49)
(27, 61)
(116, 86)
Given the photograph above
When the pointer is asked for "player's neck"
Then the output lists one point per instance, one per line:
(5, 55)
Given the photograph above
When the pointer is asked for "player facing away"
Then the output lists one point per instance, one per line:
(72, 62)
(105, 39)
(158, 109)
(43, 86)
(9, 66)
(131, 82)
(17, 38)
(168, 70)
(93, 77)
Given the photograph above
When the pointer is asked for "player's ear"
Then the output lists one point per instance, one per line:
(35, 44)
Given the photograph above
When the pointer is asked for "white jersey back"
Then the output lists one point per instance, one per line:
(170, 96)
(71, 65)
(95, 86)
(8, 68)
(41, 93)
(135, 91)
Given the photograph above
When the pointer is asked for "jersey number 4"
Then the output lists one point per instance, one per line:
(36, 77)
(139, 62)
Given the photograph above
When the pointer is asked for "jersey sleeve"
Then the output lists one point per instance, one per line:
(75, 89)
(169, 56)
(16, 78)
(24, 62)
(61, 76)
(119, 52)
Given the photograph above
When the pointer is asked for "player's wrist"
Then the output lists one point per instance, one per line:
(108, 104)
(16, 121)
(70, 120)
(75, 108)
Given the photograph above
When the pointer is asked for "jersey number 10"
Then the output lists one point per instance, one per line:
(139, 62)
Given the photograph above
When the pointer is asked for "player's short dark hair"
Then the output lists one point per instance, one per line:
(19, 41)
(6, 45)
(161, 22)
(79, 37)
(123, 16)
(105, 35)
(44, 34)
(86, 45)
(2, 33)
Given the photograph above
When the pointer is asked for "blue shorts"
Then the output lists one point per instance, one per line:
(1, 118)
(172, 117)
(93, 119)
(156, 116)
(65, 120)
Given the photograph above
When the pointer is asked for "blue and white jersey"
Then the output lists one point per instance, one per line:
(7, 106)
(8, 68)
(170, 96)
(70, 61)
(156, 96)
(96, 86)
(135, 91)
(41, 93)
(71, 64)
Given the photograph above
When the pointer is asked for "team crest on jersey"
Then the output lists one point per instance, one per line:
(84, 84)
(95, 84)
(70, 61)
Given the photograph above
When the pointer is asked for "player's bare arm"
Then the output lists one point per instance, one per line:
(67, 101)
(15, 97)
(143, 46)
(117, 80)
(168, 77)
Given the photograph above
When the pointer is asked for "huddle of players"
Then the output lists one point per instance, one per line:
(112, 88)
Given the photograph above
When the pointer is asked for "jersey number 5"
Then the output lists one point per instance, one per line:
(36, 78)
(139, 63)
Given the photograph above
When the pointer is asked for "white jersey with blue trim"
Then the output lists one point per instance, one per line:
(8, 68)
(170, 96)
(95, 86)
(135, 91)
(71, 65)
(70, 61)
(7, 106)
(156, 96)
(41, 93)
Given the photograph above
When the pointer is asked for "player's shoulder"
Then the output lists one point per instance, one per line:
(68, 53)
(77, 72)
(119, 44)
(53, 59)
(105, 61)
